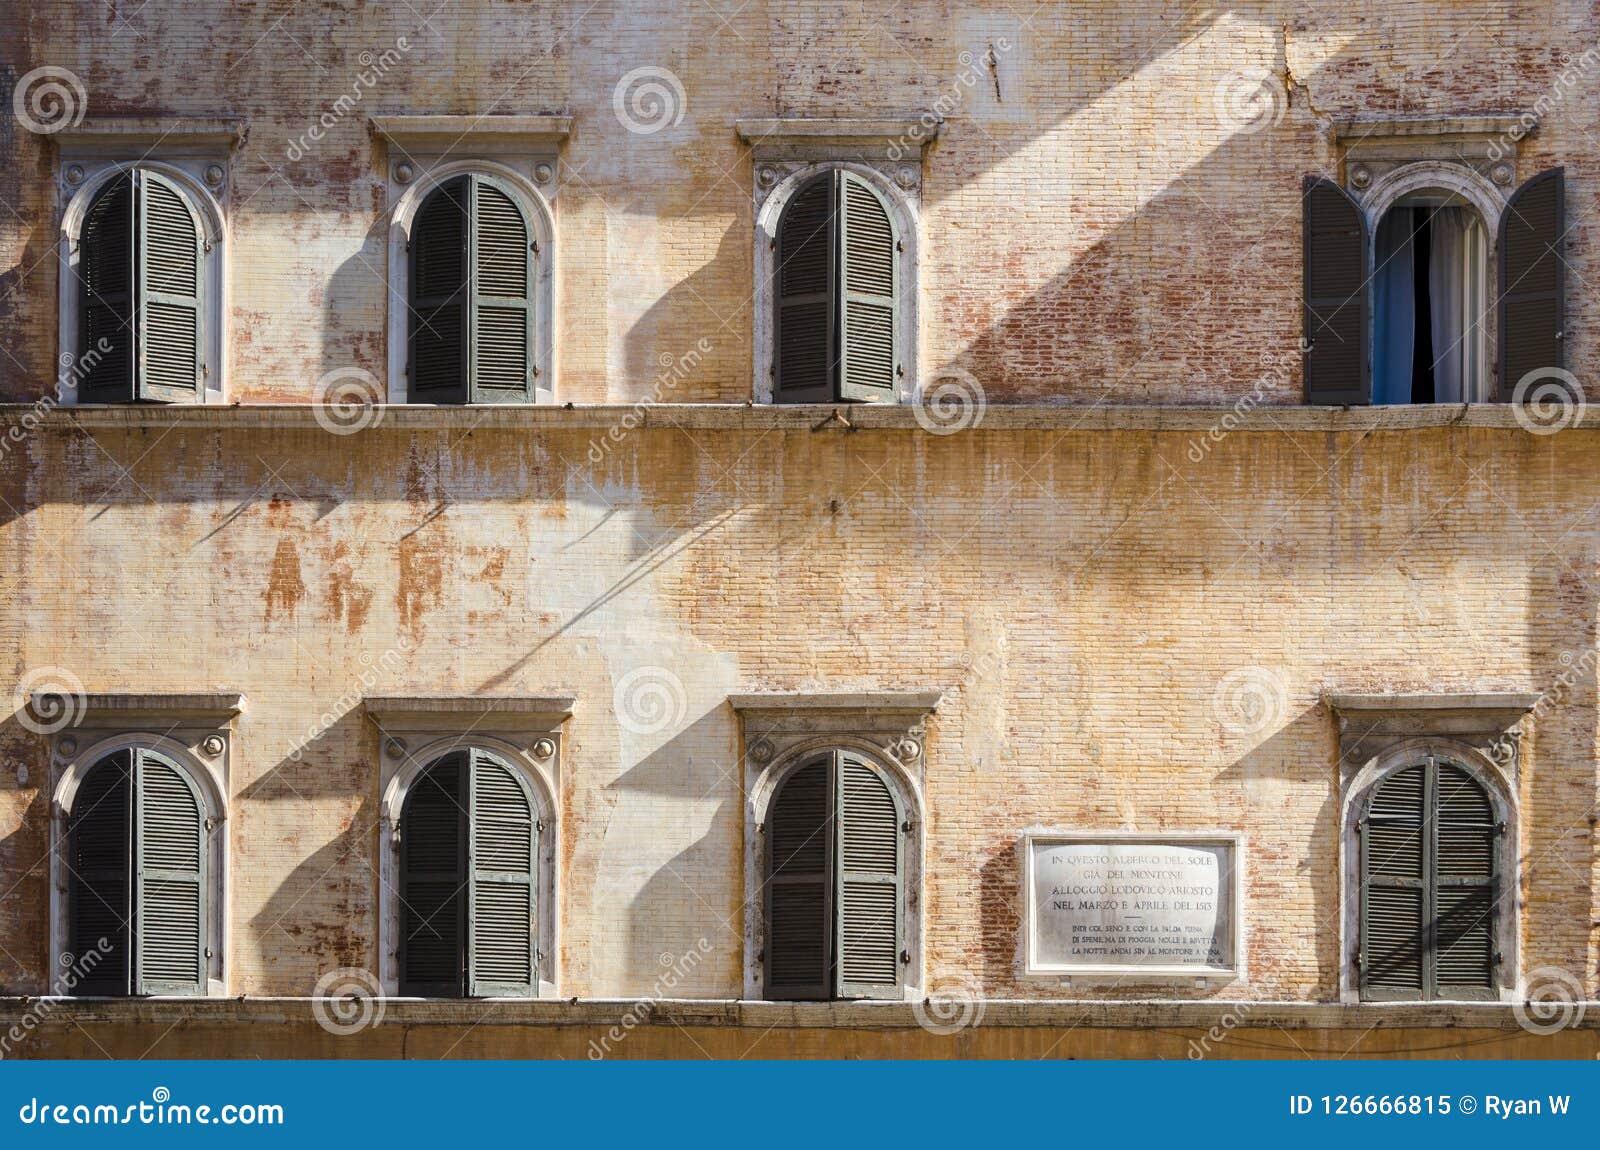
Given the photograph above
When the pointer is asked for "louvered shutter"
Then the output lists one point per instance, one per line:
(806, 339)
(799, 831)
(504, 845)
(433, 883)
(502, 301)
(867, 248)
(1394, 893)
(169, 870)
(1533, 280)
(1464, 886)
(868, 894)
(106, 270)
(440, 370)
(168, 323)
(100, 894)
(1336, 296)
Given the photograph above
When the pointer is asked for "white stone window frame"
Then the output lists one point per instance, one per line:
(195, 155)
(192, 731)
(1382, 734)
(787, 154)
(525, 732)
(423, 152)
(784, 731)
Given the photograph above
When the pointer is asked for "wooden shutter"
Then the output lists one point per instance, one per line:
(799, 831)
(106, 271)
(867, 247)
(868, 887)
(1465, 840)
(1394, 884)
(168, 313)
(806, 339)
(1337, 306)
(1429, 886)
(169, 879)
(433, 881)
(502, 273)
(440, 369)
(99, 891)
(1533, 280)
(504, 844)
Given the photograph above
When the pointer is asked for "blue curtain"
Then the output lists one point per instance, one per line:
(1394, 310)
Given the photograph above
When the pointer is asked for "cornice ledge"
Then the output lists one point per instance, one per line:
(146, 131)
(404, 130)
(1519, 702)
(393, 713)
(1493, 124)
(918, 129)
(124, 709)
(917, 702)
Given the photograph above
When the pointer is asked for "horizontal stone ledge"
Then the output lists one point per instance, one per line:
(616, 420)
(1052, 1013)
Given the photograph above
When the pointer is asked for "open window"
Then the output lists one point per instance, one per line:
(1397, 301)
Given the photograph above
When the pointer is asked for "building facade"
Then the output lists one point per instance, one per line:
(848, 530)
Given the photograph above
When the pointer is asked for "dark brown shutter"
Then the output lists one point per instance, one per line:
(1336, 296)
(799, 958)
(1533, 280)
(868, 894)
(867, 249)
(504, 846)
(502, 300)
(440, 371)
(807, 337)
(99, 884)
(168, 319)
(169, 879)
(1465, 889)
(1394, 885)
(433, 881)
(106, 270)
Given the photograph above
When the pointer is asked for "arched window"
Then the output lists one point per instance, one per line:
(138, 843)
(837, 294)
(469, 851)
(472, 267)
(139, 293)
(835, 885)
(1430, 897)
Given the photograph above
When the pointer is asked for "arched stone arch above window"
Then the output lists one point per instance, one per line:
(869, 745)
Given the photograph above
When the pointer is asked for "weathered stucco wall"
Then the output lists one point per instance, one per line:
(1080, 598)
(1111, 210)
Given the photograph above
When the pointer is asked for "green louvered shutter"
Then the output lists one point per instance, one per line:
(100, 893)
(1533, 280)
(1336, 296)
(867, 368)
(799, 887)
(169, 879)
(168, 323)
(502, 273)
(868, 888)
(1465, 838)
(433, 882)
(106, 271)
(806, 339)
(439, 366)
(503, 923)
(1394, 887)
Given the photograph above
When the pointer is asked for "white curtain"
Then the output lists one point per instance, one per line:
(1394, 310)
(1456, 297)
